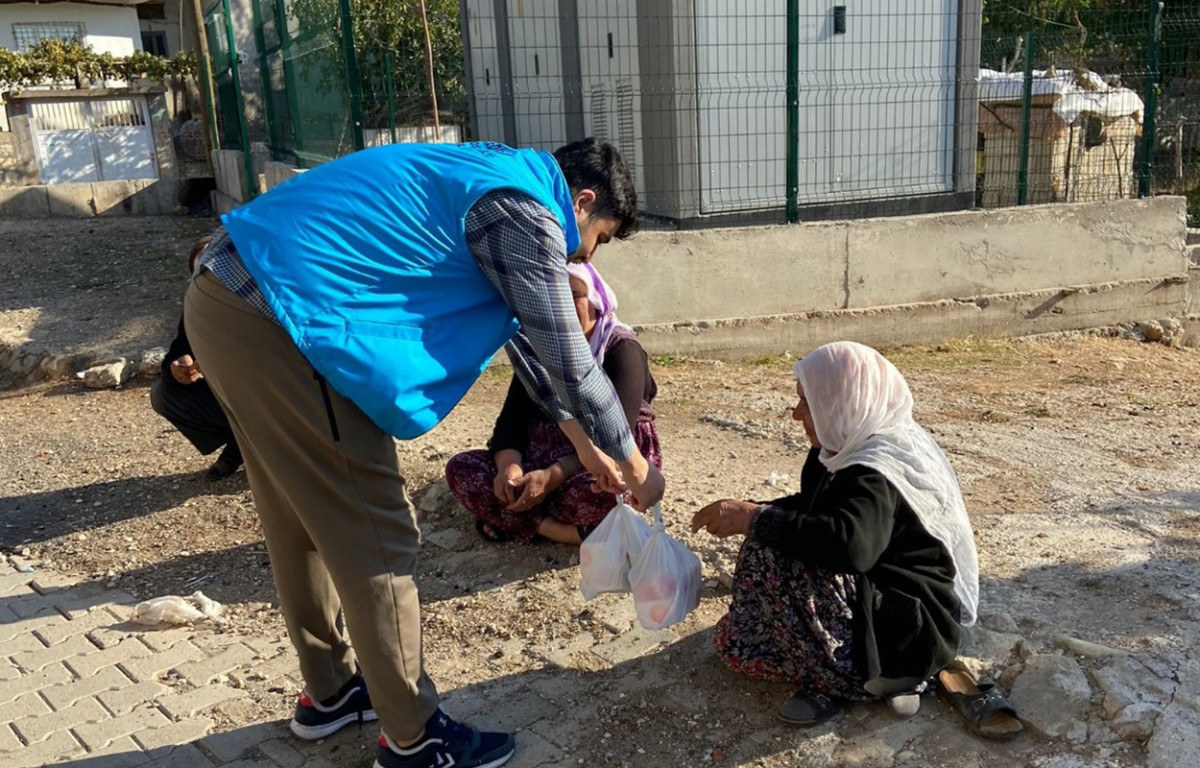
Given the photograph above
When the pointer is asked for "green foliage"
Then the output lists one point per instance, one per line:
(383, 28)
(54, 62)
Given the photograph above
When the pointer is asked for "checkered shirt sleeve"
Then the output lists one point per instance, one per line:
(522, 250)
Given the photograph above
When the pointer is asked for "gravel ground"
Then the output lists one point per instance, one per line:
(1076, 458)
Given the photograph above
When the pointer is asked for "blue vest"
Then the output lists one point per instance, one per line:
(365, 263)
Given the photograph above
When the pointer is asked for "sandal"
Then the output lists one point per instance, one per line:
(491, 533)
(982, 706)
(805, 710)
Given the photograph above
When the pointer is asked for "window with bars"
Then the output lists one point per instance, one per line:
(30, 34)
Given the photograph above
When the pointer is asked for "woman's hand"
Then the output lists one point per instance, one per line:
(727, 517)
(185, 370)
(533, 487)
(506, 485)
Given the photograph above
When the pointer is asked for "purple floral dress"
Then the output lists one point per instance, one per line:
(792, 623)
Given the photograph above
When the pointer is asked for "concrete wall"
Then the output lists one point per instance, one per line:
(107, 28)
(23, 169)
(277, 173)
(735, 293)
(8, 159)
(922, 279)
(142, 197)
(229, 171)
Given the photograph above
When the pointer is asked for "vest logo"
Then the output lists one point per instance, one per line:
(489, 146)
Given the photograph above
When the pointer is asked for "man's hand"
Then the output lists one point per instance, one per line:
(646, 482)
(604, 469)
(506, 485)
(534, 487)
(727, 517)
(185, 370)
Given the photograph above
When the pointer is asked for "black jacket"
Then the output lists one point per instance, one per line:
(180, 346)
(855, 521)
(625, 364)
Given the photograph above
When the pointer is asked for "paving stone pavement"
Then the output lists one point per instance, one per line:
(81, 686)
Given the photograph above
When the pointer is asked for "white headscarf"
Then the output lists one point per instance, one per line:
(862, 413)
(604, 300)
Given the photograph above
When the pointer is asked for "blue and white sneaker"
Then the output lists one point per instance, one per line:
(447, 743)
(316, 720)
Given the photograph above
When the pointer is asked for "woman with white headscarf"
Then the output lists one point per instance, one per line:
(857, 587)
(529, 483)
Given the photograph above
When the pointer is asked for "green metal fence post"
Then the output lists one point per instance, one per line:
(793, 111)
(353, 82)
(389, 88)
(289, 79)
(251, 179)
(264, 73)
(1026, 115)
(1153, 77)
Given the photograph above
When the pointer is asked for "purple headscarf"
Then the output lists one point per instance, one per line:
(604, 300)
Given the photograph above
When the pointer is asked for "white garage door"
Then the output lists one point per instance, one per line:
(93, 140)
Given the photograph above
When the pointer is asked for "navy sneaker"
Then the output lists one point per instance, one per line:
(316, 720)
(447, 743)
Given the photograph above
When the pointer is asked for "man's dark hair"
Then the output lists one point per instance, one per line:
(598, 166)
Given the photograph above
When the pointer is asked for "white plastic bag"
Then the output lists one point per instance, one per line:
(606, 555)
(665, 578)
(174, 610)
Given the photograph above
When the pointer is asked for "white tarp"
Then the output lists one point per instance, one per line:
(1078, 93)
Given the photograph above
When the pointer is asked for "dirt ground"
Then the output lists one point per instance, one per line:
(1076, 456)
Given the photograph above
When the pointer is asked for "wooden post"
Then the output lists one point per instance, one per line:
(204, 75)
(1179, 158)
(437, 125)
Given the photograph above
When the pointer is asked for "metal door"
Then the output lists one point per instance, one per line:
(93, 140)
(485, 71)
(537, 76)
(609, 71)
(892, 80)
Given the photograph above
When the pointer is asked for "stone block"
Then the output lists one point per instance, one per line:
(203, 671)
(149, 667)
(24, 203)
(228, 746)
(71, 200)
(118, 198)
(183, 705)
(128, 697)
(1052, 694)
(58, 747)
(88, 664)
(99, 734)
(74, 717)
(64, 695)
(159, 742)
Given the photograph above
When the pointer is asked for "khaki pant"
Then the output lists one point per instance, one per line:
(340, 529)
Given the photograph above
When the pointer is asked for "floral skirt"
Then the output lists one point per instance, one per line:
(790, 622)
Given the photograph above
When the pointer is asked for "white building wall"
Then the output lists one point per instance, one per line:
(108, 29)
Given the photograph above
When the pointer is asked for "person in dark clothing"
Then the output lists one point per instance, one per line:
(182, 397)
(857, 587)
(529, 482)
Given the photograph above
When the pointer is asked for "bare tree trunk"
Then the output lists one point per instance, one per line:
(437, 125)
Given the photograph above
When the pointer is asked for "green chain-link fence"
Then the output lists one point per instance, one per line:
(764, 110)
(1103, 106)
